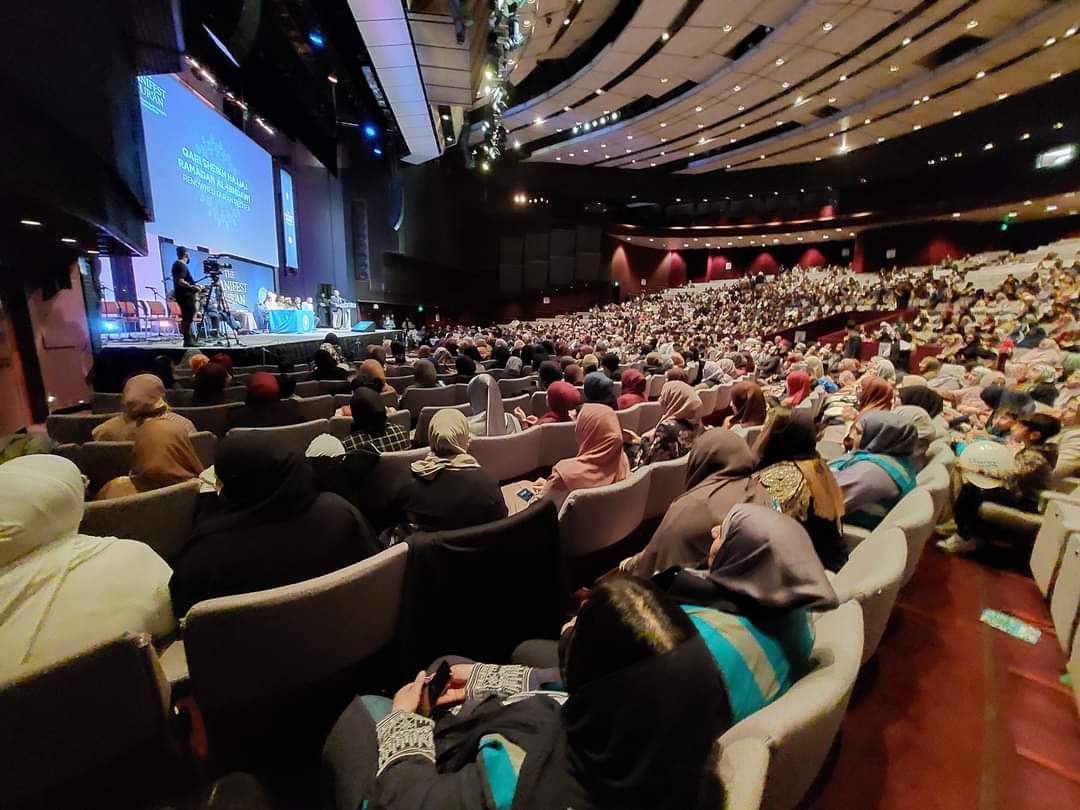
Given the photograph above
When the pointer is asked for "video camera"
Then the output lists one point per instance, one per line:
(213, 265)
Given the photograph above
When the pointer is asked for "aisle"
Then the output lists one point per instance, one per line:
(953, 715)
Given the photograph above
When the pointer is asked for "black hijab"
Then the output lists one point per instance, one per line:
(501, 354)
(465, 365)
(766, 565)
(549, 372)
(368, 412)
(262, 483)
(794, 439)
(922, 397)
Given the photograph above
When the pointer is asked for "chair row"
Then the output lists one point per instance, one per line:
(181, 397)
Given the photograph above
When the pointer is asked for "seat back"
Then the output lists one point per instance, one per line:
(653, 385)
(520, 401)
(420, 437)
(508, 457)
(74, 428)
(723, 396)
(1048, 553)
(389, 398)
(830, 450)
(293, 438)
(341, 426)
(940, 451)
(594, 519)
(271, 670)
(802, 725)
(538, 403)
(179, 397)
(630, 419)
(519, 385)
(235, 393)
(416, 399)
(320, 407)
(667, 481)
(751, 434)
(214, 418)
(742, 770)
(92, 730)
(400, 383)
(914, 515)
(936, 479)
(400, 418)
(161, 518)
(708, 401)
(334, 387)
(558, 441)
(308, 388)
(101, 462)
(106, 403)
(872, 576)
(649, 414)
(1065, 602)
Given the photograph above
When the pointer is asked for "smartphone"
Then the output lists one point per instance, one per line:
(438, 683)
(526, 494)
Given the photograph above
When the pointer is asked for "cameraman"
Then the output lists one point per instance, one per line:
(185, 289)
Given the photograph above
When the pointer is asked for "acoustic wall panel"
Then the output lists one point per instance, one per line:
(536, 261)
(561, 271)
(511, 256)
(589, 247)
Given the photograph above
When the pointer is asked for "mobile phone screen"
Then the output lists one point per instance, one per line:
(526, 494)
(438, 683)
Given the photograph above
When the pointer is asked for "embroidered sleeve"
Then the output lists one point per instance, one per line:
(404, 734)
(502, 681)
(787, 485)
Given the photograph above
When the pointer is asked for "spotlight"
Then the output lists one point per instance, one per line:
(67, 240)
(30, 223)
(370, 131)
(377, 152)
(316, 39)
(332, 78)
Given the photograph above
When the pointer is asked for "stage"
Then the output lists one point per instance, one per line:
(120, 358)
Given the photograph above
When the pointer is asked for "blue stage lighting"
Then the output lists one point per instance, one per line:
(377, 152)
(316, 39)
(109, 326)
(370, 131)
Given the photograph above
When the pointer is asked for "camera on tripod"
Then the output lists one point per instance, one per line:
(213, 265)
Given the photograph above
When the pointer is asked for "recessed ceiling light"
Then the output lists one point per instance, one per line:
(1025, 136)
(599, 91)
(653, 165)
(537, 122)
(566, 108)
(737, 88)
(664, 37)
(1070, 31)
(866, 121)
(1051, 208)
(832, 99)
(662, 154)
(727, 29)
(779, 123)
(843, 78)
(67, 240)
(93, 252)
(786, 85)
(917, 127)
(894, 68)
(603, 146)
(956, 214)
(663, 140)
(972, 24)
(700, 126)
(956, 113)
(988, 147)
(880, 140)
(629, 137)
(664, 80)
(1002, 96)
(1049, 41)
(571, 154)
(741, 108)
(558, 158)
(981, 74)
(690, 154)
(586, 151)
(1055, 75)
(827, 27)
(906, 42)
(30, 223)
(1058, 125)
(628, 151)
(663, 124)
(1027, 202)
(779, 62)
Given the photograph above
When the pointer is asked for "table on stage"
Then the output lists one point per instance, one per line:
(290, 321)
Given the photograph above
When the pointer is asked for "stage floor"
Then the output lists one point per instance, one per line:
(256, 341)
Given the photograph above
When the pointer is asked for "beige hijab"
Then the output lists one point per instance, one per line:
(448, 437)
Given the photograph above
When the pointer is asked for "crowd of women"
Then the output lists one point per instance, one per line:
(700, 628)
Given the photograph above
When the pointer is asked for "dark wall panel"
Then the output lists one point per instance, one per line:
(536, 261)
(511, 264)
(589, 246)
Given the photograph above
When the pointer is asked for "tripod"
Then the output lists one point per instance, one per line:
(215, 294)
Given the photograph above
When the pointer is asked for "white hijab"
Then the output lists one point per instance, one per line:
(488, 417)
(60, 591)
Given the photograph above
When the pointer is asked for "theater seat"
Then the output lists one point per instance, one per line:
(106, 403)
(1065, 603)
(416, 399)
(214, 418)
(667, 481)
(508, 457)
(1047, 554)
(801, 726)
(292, 438)
(708, 398)
(74, 428)
(934, 478)
(93, 730)
(271, 670)
(872, 576)
(161, 518)
(591, 520)
(311, 408)
(558, 440)
(742, 769)
(101, 462)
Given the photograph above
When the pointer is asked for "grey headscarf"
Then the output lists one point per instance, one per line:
(514, 367)
(888, 433)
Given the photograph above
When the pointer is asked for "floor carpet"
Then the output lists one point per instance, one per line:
(954, 715)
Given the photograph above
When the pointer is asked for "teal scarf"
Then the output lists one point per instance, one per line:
(899, 469)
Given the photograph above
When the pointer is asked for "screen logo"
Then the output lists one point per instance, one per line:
(152, 96)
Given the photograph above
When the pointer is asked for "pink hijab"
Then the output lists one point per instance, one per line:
(679, 401)
(600, 459)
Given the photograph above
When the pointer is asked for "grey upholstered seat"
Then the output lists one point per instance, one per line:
(294, 438)
(872, 576)
(74, 428)
(161, 518)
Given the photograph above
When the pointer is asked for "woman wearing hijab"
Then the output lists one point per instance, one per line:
(466, 369)
(143, 398)
(258, 532)
(449, 489)
(798, 388)
(562, 399)
(759, 581)
(161, 456)
(515, 743)
(424, 375)
(208, 385)
(327, 368)
(747, 407)
(875, 394)
(879, 471)
(372, 375)
(488, 418)
(548, 373)
(801, 483)
(679, 425)
(371, 430)
(65, 592)
(718, 476)
(599, 388)
(444, 361)
(633, 389)
(264, 406)
(600, 459)
(574, 374)
(164, 369)
(197, 361)
(930, 401)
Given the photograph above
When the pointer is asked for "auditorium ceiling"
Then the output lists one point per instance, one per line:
(690, 87)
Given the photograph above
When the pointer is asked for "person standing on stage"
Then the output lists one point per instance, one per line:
(337, 310)
(185, 289)
(308, 305)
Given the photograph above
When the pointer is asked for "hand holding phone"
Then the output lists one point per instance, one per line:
(436, 685)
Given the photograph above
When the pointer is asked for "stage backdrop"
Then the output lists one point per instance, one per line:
(245, 285)
(211, 184)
